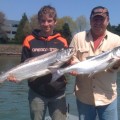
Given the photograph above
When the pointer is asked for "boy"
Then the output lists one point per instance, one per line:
(41, 94)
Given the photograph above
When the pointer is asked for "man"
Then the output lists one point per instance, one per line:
(42, 94)
(96, 96)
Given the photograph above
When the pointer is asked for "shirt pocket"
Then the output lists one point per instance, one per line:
(82, 54)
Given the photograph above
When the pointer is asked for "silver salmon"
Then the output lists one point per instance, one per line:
(39, 66)
(93, 65)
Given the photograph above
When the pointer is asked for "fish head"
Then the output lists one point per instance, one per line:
(65, 54)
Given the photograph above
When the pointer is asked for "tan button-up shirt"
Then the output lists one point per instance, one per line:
(101, 88)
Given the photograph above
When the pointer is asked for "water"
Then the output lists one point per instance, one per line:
(14, 97)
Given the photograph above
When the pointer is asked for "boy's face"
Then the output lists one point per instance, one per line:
(47, 24)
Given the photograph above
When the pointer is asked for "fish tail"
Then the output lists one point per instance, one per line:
(1, 80)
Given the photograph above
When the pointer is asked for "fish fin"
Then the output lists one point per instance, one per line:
(91, 74)
(55, 76)
(110, 60)
(32, 78)
(52, 69)
(55, 64)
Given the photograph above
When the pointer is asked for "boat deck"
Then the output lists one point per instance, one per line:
(69, 117)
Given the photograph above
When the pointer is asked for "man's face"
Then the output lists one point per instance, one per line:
(47, 24)
(99, 24)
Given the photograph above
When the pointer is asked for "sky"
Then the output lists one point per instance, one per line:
(14, 9)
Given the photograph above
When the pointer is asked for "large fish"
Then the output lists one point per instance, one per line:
(39, 66)
(93, 65)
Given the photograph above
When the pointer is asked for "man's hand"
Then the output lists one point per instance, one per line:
(116, 65)
(73, 73)
(109, 70)
(72, 62)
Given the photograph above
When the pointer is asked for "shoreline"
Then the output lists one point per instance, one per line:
(10, 49)
(9, 53)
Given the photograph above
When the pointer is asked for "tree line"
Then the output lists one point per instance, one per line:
(65, 25)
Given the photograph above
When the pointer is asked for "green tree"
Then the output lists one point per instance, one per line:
(2, 19)
(31, 25)
(71, 23)
(20, 31)
(111, 28)
(62, 21)
(59, 25)
(114, 29)
(118, 29)
(27, 28)
(34, 22)
(3, 35)
(82, 23)
(67, 33)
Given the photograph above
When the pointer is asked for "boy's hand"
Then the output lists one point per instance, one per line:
(11, 78)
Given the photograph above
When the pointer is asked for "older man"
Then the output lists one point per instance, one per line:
(96, 95)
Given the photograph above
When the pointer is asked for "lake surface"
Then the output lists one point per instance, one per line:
(14, 97)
